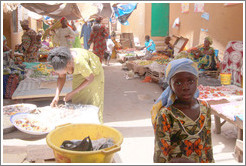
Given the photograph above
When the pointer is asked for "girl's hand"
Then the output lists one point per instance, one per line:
(54, 101)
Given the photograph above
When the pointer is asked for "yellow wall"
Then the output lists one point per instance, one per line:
(136, 23)
(148, 19)
(14, 38)
(225, 24)
(6, 27)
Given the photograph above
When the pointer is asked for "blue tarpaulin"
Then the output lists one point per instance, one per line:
(241, 116)
(123, 11)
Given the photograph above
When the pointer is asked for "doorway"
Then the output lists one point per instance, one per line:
(160, 19)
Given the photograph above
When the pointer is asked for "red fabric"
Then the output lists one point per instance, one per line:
(12, 83)
(233, 61)
(62, 19)
(98, 38)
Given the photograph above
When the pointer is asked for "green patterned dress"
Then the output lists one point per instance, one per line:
(176, 135)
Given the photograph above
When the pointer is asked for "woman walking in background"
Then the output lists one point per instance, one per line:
(98, 37)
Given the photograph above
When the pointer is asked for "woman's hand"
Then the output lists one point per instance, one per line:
(68, 96)
(54, 101)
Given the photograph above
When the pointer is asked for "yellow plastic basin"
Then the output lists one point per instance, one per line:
(225, 78)
(78, 132)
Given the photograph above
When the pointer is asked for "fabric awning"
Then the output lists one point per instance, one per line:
(72, 11)
(56, 10)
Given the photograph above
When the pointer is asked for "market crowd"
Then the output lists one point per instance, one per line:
(68, 54)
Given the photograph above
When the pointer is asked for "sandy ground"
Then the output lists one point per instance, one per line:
(127, 108)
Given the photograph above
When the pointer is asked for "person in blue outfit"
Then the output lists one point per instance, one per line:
(85, 32)
(149, 44)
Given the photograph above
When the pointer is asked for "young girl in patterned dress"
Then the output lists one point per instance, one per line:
(182, 124)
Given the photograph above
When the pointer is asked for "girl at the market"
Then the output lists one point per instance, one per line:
(182, 124)
(88, 76)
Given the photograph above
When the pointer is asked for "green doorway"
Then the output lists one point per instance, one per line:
(160, 19)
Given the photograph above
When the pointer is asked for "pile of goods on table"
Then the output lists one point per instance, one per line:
(218, 92)
(11, 110)
(35, 120)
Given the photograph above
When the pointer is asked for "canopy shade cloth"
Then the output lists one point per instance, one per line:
(56, 11)
(72, 11)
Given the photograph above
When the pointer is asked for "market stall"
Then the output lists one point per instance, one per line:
(39, 83)
(226, 103)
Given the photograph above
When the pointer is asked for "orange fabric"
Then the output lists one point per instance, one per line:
(159, 57)
(147, 79)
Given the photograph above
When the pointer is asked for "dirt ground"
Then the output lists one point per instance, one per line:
(127, 108)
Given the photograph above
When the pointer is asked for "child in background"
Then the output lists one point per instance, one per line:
(182, 124)
(108, 52)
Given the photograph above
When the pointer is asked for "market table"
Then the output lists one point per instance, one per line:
(30, 89)
(228, 112)
(40, 83)
(226, 102)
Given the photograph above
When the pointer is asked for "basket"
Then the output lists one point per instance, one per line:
(77, 132)
(225, 78)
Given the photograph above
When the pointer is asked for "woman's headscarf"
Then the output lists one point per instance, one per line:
(24, 22)
(168, 97)
(209, 39)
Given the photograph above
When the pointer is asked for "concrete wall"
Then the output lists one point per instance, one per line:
(225, 24)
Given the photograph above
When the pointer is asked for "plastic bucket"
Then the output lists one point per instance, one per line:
(78, 132)
(225, 78)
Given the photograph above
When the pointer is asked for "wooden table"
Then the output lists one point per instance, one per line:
(217, 111)
(30, 89)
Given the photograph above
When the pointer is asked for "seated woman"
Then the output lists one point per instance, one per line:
(205, 55)
(149, 44)
(150, 47)
(27, 44)
(7, 52)
(169, 49)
